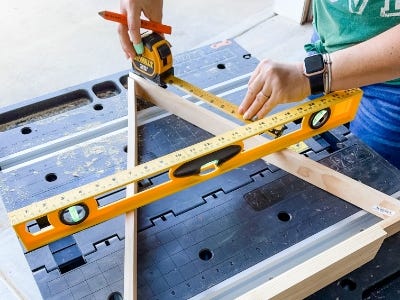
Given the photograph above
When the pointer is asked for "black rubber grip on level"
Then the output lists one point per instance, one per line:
(193, 167)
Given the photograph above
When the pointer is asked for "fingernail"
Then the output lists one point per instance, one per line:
(246, 116)
(255, 118)
(139, 48)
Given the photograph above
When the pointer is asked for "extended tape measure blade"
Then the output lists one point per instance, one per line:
(221, 104)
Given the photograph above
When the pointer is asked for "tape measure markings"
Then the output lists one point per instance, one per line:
(203, 95)
(216, 101)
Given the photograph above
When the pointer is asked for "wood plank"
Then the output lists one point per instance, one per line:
(322, 269)
(340, 185)
(130, 257)
(391, 225)
(16, 279)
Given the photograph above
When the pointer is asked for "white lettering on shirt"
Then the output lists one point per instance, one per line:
(357, 6)
(391, 8)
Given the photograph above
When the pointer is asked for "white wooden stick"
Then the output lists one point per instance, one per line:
(130, 258)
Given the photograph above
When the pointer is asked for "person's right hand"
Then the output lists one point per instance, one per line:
(273, 83)
(129, 36)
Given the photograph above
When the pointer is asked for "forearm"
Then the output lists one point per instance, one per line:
(373, 61)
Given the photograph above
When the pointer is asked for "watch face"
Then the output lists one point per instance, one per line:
(314, 63)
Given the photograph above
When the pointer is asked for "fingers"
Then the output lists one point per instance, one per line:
(257, 96)
(250, 95)
(125, 41)
(123, 31)
(271, 84)
(133, 16)
(265, 109)
(130, 38)
(258, 107)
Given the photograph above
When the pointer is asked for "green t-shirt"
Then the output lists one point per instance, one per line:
(343, 23)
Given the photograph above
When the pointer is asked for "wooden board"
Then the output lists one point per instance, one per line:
(130, 256)
(322, 269)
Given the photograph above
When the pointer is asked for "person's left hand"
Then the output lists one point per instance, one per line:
(271, 84)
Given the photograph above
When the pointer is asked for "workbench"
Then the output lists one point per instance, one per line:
(256, 216)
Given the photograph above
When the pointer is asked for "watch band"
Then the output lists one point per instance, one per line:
(317, 83)
(318, 69)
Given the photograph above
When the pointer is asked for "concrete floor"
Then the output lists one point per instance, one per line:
(50, 45)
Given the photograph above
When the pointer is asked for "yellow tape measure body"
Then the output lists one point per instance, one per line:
(78, 209)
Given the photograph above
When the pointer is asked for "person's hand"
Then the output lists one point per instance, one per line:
(129, 36)
(271, 84)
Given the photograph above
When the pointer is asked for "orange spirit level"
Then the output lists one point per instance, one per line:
(77, 209)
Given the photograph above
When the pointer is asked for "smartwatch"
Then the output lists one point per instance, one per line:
(314, 69)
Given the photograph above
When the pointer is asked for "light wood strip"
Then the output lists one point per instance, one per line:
(130, 258)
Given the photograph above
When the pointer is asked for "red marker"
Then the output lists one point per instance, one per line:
(154, 26)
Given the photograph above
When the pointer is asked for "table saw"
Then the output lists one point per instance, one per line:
(256, 219)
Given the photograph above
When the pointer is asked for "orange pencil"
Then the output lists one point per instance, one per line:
(154, 26)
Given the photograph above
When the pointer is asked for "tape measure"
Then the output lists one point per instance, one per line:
(156, 64)
(77, 209)
(219, 103)
(227, 107)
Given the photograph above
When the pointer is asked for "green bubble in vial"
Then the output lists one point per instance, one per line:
(318, 117)
(73, 211)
